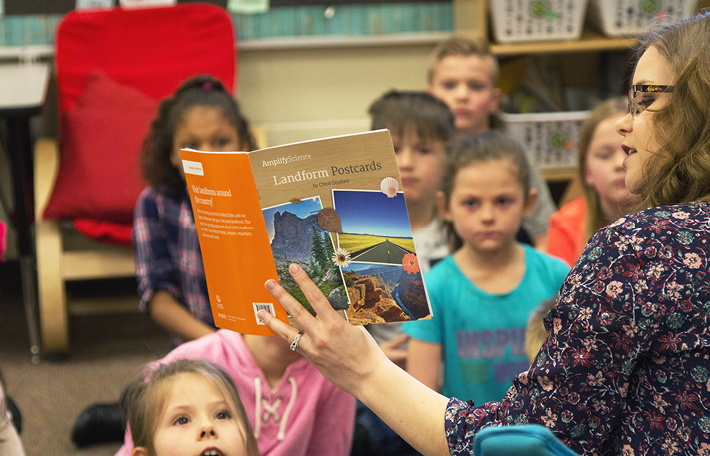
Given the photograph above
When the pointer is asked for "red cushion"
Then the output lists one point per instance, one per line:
(99, 174)
(151, 49)
(111, 233)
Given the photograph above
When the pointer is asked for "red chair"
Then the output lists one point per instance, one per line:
(112, 67)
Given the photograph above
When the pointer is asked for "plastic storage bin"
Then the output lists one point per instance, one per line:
(537, 20)
(550, 140)
(635, 17)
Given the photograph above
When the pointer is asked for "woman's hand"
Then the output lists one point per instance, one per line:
(345, 354)
(350, 358)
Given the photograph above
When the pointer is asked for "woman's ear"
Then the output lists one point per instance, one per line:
(442, 206)
(530, 202)
(139, 451)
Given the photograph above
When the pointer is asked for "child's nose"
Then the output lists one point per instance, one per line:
(404, 158)
(207, 430)
(462, 91)
(487, 212)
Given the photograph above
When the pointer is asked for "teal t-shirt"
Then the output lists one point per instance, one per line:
(483, 334)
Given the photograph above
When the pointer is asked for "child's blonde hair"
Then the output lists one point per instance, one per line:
(536, 334)
(465, 47)
(480, 148)
(144, 400)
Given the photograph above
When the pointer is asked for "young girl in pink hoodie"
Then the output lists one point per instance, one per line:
(293, 409)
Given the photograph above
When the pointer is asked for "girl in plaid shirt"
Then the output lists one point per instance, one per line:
(171, 278)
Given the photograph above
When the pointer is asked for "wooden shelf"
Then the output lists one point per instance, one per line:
(559, 175)
(343, 41)
(590, 41)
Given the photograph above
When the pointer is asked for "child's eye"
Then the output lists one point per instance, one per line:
(224, 415)
(449, 85)
(476, 86)
(603, 155)
(504, 201)
(470, 203)
(423, 150)
(221, 142)
(188, 145)
(181, 420)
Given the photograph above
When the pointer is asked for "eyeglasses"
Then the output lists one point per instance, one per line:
(636, 105)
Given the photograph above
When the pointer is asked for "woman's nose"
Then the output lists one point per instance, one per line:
(624, 125)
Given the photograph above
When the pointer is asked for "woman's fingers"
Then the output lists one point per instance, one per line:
(277, 326)
(292, 306)
(313, 294)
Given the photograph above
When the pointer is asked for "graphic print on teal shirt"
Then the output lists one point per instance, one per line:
(476, 349)
(483, 334)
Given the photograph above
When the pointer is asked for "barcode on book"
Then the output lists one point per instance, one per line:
(267, 306)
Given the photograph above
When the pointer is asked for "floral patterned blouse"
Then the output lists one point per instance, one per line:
(625, 369)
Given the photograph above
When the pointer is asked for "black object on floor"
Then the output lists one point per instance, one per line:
(98, 423)
(15, 412)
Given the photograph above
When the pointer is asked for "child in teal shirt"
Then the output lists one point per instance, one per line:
(482, 294)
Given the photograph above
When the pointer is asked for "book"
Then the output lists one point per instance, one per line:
(333, 206)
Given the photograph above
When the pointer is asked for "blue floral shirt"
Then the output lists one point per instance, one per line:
(625, 369)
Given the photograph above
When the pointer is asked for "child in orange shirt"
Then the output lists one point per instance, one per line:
(601, 174)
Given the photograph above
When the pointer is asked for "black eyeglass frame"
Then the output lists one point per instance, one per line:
(644, 88)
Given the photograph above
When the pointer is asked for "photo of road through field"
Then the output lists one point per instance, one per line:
(385, 252)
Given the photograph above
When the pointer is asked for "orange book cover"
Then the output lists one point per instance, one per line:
(332, 205)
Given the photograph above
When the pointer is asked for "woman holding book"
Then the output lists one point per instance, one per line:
(624, 369)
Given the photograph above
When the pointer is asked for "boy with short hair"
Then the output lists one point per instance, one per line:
(421, 127)
(464, 74)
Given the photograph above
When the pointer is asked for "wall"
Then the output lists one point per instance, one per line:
(302, 94)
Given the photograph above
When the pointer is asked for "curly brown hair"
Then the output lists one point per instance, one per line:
(679, 171)
(203, 90)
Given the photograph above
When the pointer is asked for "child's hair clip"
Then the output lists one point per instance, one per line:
(207, 86)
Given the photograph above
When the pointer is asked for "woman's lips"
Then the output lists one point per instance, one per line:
(628, 150)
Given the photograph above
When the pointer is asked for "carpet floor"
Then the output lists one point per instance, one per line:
(106, 352)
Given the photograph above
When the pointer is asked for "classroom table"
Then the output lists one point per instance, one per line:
(23, 90)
